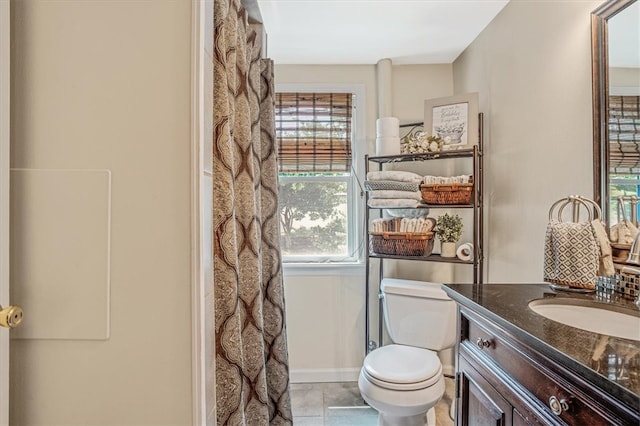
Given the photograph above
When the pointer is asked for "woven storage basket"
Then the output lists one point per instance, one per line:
(455, 193)
(402, 243)
(620, 252)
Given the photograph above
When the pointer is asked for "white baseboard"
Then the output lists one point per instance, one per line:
(317, 375)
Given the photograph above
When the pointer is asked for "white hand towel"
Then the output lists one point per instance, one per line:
(397, 175)
(414, 195)
(394, 202)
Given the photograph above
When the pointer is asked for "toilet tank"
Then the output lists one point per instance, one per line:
(418, 313)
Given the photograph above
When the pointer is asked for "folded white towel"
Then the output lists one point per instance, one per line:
(409, 212)
(377, 225)
(414, 195)
(394, 202)
(397, 175)
(415, 225)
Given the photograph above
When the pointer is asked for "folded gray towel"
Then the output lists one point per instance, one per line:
(390, 185)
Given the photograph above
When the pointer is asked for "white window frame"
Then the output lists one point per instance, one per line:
(320, 265)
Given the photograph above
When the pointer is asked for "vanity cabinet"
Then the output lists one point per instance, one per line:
(503, 381)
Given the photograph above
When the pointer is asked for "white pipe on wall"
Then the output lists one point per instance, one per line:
(383, 80)
(384, 77)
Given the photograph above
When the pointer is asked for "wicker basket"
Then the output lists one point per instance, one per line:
(455, 193)
(620, 252)
(402, 243)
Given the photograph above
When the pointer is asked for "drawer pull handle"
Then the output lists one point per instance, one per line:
(558, 406)
(483, 343)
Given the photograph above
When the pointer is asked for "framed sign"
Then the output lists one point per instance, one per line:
(454, 119)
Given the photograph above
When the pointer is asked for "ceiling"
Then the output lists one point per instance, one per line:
(624, 38)
(365, 31)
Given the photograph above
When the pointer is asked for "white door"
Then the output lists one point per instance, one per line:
(4, 206)
(100, 213)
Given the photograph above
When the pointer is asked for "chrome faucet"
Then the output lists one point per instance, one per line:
(634, 253)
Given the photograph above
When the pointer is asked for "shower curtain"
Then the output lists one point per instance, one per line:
(252, 371)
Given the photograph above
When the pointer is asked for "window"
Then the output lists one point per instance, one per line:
(318, 187)
(624, 150)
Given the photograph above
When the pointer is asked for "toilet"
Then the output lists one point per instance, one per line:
(403, 381)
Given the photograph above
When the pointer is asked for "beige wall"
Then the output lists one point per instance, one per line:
(624, 77)
(325, 313)
(532, 68)
(106, 85)
(412, 84)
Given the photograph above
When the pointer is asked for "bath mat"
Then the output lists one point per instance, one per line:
(351, 416)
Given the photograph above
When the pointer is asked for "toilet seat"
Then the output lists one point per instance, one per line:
(399, 367)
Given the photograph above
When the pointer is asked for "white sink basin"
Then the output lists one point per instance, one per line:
(590, 316)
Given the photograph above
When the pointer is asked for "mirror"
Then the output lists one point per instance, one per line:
(615, 36)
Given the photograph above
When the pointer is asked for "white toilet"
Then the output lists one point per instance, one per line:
(403, 381)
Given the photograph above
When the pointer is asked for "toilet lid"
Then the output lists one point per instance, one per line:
(400, 366)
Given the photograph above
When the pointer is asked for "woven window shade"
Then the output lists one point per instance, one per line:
(624, 134)
(314, 132)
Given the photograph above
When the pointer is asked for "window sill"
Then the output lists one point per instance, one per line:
(326, 269)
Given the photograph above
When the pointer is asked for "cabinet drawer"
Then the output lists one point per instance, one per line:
(530, 380)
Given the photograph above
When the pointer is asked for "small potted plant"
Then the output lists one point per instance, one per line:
(449, 231)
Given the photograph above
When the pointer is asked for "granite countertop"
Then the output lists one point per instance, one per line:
(616, 370)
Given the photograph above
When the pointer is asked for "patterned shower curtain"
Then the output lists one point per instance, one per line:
(252, 371)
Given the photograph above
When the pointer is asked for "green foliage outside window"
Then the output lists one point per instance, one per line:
(313, 218)
(622, 185)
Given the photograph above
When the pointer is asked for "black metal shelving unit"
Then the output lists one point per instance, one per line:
(474, 154)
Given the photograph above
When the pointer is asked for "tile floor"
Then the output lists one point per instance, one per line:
(335, 404)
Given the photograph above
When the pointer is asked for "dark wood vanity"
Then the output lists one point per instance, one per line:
(516, 367)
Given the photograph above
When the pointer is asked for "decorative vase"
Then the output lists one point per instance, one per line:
(447, 249)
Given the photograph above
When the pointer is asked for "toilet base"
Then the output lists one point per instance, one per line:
(452, 410)
(402, 408)
(420, 420)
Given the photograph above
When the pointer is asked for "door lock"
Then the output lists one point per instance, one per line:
(11, 316)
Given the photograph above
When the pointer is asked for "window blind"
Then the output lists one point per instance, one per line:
(313, 131)
(624, 134)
